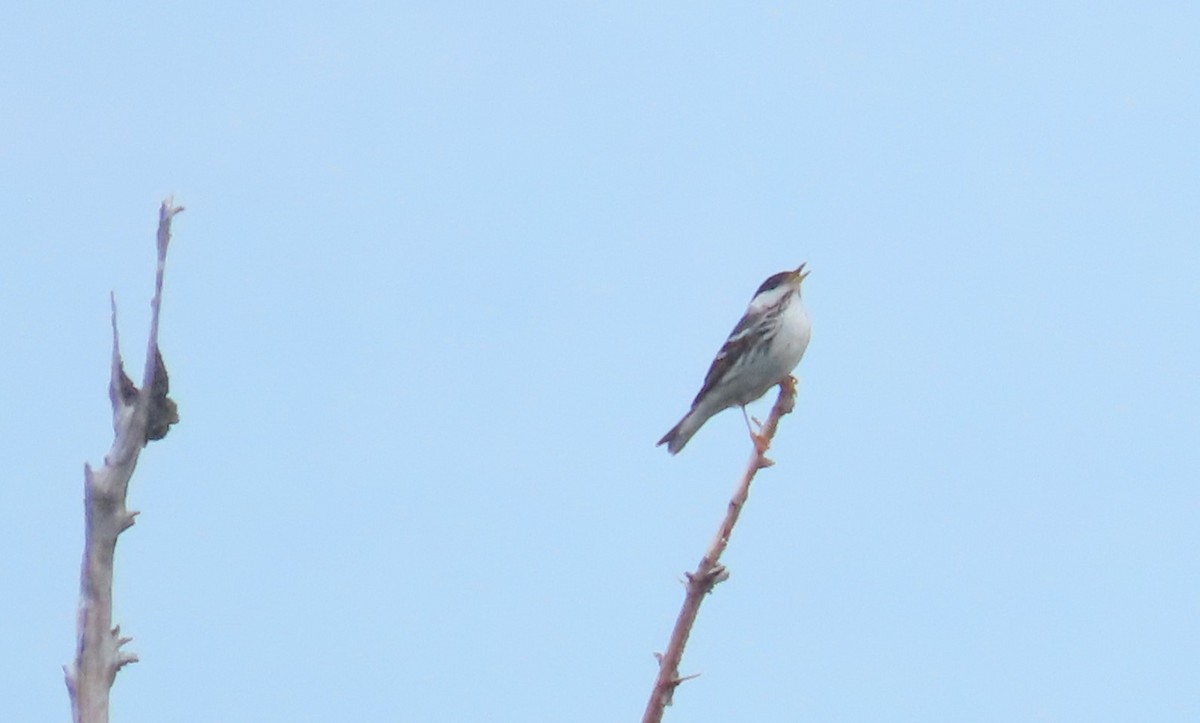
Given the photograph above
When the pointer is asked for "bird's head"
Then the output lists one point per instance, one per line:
(777, 288)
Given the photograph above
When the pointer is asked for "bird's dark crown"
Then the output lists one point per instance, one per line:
(774, 281)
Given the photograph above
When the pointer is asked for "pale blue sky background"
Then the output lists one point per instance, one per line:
(447, 273)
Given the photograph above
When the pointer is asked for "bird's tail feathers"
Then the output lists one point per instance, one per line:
(682, 432)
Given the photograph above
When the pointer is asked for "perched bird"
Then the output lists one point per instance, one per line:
(763, 349)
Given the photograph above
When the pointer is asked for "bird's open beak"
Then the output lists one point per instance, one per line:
(800, 273)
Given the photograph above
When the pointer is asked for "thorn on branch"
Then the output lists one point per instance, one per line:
(127, 521)
(122, 658)
(707, 580)
(720, 576)
(669, 686)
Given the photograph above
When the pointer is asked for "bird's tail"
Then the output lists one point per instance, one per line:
(682, 432)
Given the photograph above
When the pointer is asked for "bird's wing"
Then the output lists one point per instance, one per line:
(735, 347)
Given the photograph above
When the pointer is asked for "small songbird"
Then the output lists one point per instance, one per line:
(763, 349)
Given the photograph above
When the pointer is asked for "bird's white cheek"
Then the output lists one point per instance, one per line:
(766, 300)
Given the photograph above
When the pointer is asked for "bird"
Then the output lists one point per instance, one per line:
(761, 351)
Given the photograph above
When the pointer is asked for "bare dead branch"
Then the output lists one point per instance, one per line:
(138, 415)
(710, 572)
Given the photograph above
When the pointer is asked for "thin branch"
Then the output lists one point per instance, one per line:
(98, 654)
(167, 211)
(710, 572)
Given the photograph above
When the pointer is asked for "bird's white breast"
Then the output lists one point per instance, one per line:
(794, 332)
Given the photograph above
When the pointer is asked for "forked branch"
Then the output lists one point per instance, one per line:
(710, 572)
(139, 416)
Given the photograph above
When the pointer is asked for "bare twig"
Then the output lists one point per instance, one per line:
(138, 417)
(710, 572)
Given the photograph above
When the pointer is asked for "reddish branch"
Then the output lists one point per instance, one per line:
(139, 416)
(710, 572)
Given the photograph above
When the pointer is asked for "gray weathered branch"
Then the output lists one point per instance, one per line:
(139, 416)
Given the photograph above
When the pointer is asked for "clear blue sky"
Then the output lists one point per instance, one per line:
(449, 270)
